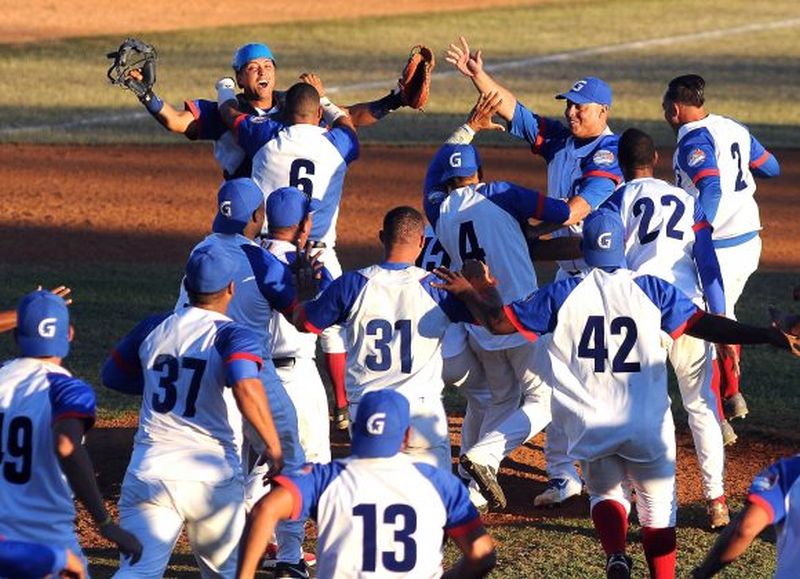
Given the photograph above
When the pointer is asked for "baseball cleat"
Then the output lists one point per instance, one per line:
(728, 435)
(486, 479)
(284, 570)
(718, 513)
(270, 560)
(735, 406)
(618, 566)
(341, 418)
(558, 491)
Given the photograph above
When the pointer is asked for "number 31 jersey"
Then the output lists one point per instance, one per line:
(381, 517)
(608, 358)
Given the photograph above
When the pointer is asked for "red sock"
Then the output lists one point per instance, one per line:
(730, 381)
(716, 378)
(611, 522)
(660, 546)
(335, 363)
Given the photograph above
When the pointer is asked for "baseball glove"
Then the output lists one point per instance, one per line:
(414, 84)
(789, 325)
(134, 67)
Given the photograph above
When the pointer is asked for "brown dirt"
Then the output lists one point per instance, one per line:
(47, 20)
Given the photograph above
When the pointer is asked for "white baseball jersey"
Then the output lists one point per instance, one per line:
(608, 359)
(394, 320)
(314, 159)
(381, 517)
(189, 425)
(661, 224)
(35, 498)
(777, 490)
(719, 146)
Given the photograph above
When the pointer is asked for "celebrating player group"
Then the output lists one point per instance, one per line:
(233, 439)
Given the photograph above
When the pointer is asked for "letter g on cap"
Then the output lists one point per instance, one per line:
(47, 328)
(225, 208)
(376, 423)
(604, 240)
(455, 159)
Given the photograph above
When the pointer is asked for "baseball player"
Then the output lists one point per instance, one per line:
(23, 559)
(608, 365)
(667, 235)
(395, 323)
(378, 513)
(716, 160)
(198, 374)
(773, 500)
(475, 220)
(290, 221)
(314, 159)
(8, 318)
(264, 285)
(44, 414)
(582, 168)
(255, 70)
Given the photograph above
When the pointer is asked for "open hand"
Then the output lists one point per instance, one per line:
(126, 542)
(480, 117)
(468, 64)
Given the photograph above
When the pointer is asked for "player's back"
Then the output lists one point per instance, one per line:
(608, 359)
(189, 425)
(35, 499)
(660, 221)
(395, 328)
(731, 143)
(381, 517)
(314, 160)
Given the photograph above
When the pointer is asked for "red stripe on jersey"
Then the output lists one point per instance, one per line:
(464, 528)
(236, 122)
(680, 330)
(192, 108)
(700, 225)
(705, 173)
(245, 356)
(512, 317)
(536, 147)
(297, 498)
(760, 161)
(539, 206)
(597, 173)
(289, 310)
(764, 504)
(122, 363)
(303, 321)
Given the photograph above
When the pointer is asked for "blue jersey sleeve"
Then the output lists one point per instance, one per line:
(762, 162)
(545, 136)
(697, 158)
(600, 172)
(308, 485)
(462, 516)
(210, 126)
(433, 190)
(346, 142)
(705, 258)
(122, 370)
(538, 313)
(524, 204)
(455, 309)
(273, 277)
(71, 398)
(614, 202)
(678, 313)
(24, 560)
(240, 350)
(771, 485)
(253, 132)
(333, 305)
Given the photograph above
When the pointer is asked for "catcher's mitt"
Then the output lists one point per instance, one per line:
(134, 55)
(414, 84)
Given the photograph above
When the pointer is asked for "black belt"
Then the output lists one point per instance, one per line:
(283, 362)
(315, 244)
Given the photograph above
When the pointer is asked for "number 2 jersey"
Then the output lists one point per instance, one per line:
(35, 498)
(381, 517)
(183, 363)
(608, 358)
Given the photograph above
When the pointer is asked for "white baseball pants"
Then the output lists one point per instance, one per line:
(307, 393)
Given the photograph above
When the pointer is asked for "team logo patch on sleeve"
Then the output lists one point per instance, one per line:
(604, 158)
(695, 158)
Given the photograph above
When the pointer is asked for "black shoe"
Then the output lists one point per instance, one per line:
(618, 566)
(486, 478)
(291, 570)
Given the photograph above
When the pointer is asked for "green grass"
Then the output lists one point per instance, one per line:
(750, 76)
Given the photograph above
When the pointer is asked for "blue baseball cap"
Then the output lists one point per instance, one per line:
(236, 201)
(603, 242)
(460, 161)
(588, 90)
(382, 419)
(289, 206)
(43, 325)
(248, 52)
(209, 270)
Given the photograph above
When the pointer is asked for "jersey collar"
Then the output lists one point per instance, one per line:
(395, 265)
